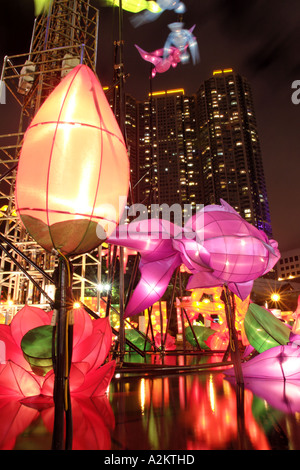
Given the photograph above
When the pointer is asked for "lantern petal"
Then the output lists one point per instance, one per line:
(242, 290)
(16, 381)
(15, 418)
(155, 278)
(95, 348)
(153, 57)
(48, 384)
(76, 379)
(91, 426)
(9, 350)
(96, 381)
(73, 172)
(26, 319)
(83, 380)
(83, 327)
(203, 279)
(103, 331)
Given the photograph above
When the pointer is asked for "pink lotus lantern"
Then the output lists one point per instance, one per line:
(234, 251)
(29, 378)
(73, 168)
(216, 245)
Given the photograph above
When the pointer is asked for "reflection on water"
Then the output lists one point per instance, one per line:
(190, 411)
(24, 427)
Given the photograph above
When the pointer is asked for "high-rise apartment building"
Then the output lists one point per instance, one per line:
(231, 160)
(289, 265)
(168, 155)
(199, 149)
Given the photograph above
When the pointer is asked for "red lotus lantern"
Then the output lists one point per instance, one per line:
(73, 173)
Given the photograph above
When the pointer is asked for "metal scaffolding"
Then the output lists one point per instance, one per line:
(61, 39)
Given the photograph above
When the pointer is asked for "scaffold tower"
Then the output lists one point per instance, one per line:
(62, 38)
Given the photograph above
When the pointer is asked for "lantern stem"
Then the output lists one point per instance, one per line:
(233, 340)
(122, 324)
(63, 331)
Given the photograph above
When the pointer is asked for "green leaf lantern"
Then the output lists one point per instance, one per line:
(36, 345)
(263, 329)
(202, 334)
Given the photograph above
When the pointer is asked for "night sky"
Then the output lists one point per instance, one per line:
(258, 39)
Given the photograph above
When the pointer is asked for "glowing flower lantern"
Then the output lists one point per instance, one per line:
(220, 249)
(73, 169)
(207, 301)
(232, 250)
(220, 339)
(24, 378)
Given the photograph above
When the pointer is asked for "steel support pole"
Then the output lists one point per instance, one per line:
(122, 298)
(233, 340)
(61, 392)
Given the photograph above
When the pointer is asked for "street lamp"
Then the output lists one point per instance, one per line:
(103, 287)
(275, 297)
